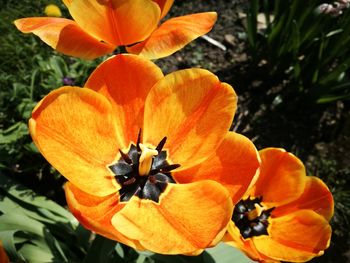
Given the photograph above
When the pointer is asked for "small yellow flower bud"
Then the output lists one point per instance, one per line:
(53, 10)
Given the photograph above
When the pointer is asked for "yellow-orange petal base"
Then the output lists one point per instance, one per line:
(285, 215)
(127, 143)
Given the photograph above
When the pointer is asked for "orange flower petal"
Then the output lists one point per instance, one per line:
(194, 110)
(3, 255)
(65, 36)
(188, 218)
(67, 2)
(234, 164)
(282, 177)
(118, 22)
(296, 237)
(95, 213)
(316, 197)
(74, 130)
(234, 238)
(174, 34)
(126, 80)
(164, 5)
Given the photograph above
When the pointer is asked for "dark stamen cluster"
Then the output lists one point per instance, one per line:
(251, 227)
(150, 187)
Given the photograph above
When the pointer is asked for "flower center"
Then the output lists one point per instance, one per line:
(143, 171)
(251, 218)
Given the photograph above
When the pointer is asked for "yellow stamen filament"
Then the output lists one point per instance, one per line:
(145, 161)
(255, 212)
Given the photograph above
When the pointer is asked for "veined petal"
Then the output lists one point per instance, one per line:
(297, 237)
(118, 22)
(65, 36)
(235, 164)
(126, 80)
(67, 2)
(316, 197)
(233, 238)
(188, 218)
(282, 177)
(75, 131)
(174, 34)
(194, 110)
(95, 213)
(164, 5)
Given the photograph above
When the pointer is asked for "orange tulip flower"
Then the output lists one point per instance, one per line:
(3, 255)
(100, 26)
(285, 215)
(131, 186)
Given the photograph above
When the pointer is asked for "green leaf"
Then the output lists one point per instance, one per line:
(102, 250)
(330, 98)
(35, 254)
(252, 28)
(12, 221)
(30, 223)
(27, 196)
(8, 240)
(13, 133)
(222, 253)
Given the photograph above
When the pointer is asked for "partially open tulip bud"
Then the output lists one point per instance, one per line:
(99, 27)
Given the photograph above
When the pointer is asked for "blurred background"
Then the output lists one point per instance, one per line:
(288, 62)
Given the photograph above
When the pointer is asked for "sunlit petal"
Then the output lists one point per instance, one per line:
(282, 177)
(164, 5)
(234, 238)
(316, 197)
(96, 213)
(194, 110)
(75, 131)
(296, 237)
(235, 164)
(119, 22)
(126, 80)
(189, 217)
(65, 36)
(174, 34)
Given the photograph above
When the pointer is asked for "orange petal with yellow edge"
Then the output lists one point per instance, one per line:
(188, 217)
(282, 177)
(234, 238)
(174, 34)
(118, 22)
(235, 164)
(194, 110)
(65, 36)
(74, 129)
(126, 80)
(297, 237)
(164, 5)
(316, 197)
(95, 213)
